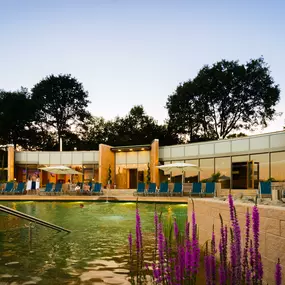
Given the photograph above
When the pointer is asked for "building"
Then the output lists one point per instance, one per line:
(241, 162)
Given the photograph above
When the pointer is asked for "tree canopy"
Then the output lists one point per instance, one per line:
(222, 98)
(61, 104)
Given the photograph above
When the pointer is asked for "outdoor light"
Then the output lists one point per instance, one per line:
(119, 150)
(131, 149)
(142, 148)
(75, 149)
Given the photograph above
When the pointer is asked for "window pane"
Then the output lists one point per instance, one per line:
(278, 166)
(240, 158)
(207, 168)
(164, 176)
(176, 175)
(223, 165)
(192, 175)
(261, 163)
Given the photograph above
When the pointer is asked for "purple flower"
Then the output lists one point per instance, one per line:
(257, 267)
(278, 275)
(207, 262)
(195, 246)
(231, 204)
(213, 257)
(246, 246)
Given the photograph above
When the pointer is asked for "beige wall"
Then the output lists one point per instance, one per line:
(154, 162)
(106, 158)
(11, 162)
(272, 229)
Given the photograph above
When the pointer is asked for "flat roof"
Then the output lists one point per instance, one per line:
(141, 147)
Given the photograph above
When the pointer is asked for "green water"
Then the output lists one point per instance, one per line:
(95, 252)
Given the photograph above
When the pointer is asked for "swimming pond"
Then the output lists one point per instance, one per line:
(95, 252)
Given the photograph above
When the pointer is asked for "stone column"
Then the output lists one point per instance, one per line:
(11, 162)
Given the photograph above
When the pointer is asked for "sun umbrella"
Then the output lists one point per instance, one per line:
(61, 169)
(179, 166)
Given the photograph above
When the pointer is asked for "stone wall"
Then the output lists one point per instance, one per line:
(272, 228)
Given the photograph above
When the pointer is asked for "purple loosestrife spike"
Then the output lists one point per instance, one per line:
(255, 229)
(161, 249)
(246, 247)
(278, 273)
(176, 231)
(260, 268)
(195, 246)
(231, 204)
(213, 257)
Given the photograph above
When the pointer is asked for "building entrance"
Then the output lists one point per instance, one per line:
(133, 178)
(245, 175)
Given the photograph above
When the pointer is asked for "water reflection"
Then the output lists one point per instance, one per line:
(95, 252)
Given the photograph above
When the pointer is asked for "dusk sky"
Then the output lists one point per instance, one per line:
(130, 52)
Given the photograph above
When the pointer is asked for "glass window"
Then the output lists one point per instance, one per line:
(278, 166)
(176, 175)
(240, 158)
(164, 176)
(192, 175)
(223, 166)
(207, 169)
(121, 176)
(261, 165)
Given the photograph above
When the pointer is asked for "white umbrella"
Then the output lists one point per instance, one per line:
(61, 169)
(179, 166)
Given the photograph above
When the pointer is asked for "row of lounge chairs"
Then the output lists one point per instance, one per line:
(177, 189)
(11, 189)
(51, 188)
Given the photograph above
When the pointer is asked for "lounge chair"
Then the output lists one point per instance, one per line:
(97, 189)
(48, 189)
(20, 188)
(9, 188)
(163, 189)
(265, 189)
(178, 189)
(151, 189)
(58, 188)
(196, 189)
(210, 189)
(140, 189)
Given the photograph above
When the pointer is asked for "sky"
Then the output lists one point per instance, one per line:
(131, 52)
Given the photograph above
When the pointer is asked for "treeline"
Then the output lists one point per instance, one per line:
(220, 101)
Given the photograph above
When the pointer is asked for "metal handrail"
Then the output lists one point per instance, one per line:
(31, 219)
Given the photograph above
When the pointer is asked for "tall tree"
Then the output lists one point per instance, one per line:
(61, 103)
(17, 113)
(223, 98)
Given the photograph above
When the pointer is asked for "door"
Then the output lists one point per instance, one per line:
(133, 178)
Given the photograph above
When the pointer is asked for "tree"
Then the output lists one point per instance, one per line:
(17, 113)
(223, 98)
(61, 104)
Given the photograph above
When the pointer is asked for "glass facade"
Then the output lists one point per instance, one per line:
(261, 163)
(207, 166)
(192, 175)
(278, 166)
(223, 166)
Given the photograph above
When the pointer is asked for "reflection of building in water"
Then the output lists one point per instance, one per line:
(241, 162)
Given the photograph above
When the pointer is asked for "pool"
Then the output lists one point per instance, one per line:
(95, 252)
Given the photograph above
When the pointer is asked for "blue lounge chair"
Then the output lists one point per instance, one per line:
(140, 189)
(48, 189)
(20, 188)
(151, 189)
(163, 190)
(97, 189)
(9, 188)
(265, 188)
(178, 189)
(58, 188)
(196, 189)
(210, 189)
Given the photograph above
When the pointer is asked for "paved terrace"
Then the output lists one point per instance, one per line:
(110, 195)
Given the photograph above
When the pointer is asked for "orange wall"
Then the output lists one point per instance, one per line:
(154, 161)
(11, 162)
(106, 158)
